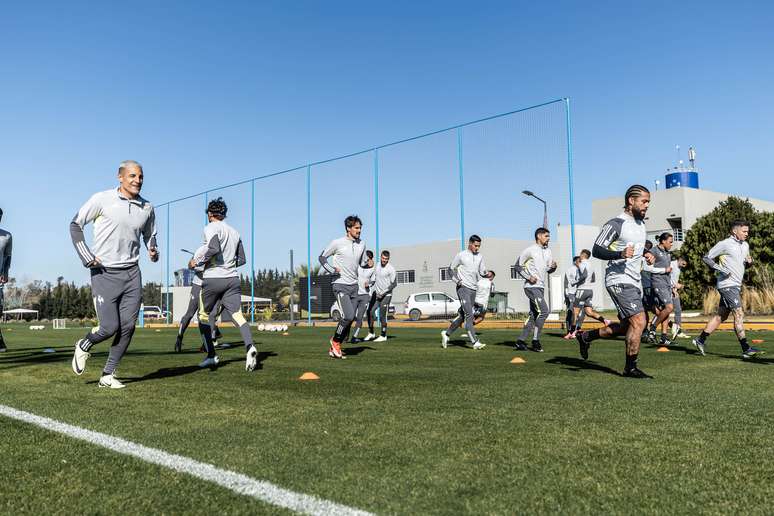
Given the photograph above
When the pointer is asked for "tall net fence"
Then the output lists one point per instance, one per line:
(420, 198)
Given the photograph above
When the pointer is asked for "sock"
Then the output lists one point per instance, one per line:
(631, 362)
(703, 336)
(591, 335)
(356, 332)
(743, 343)
(85, 345)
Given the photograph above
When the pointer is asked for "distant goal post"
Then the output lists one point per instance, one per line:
(60, 324)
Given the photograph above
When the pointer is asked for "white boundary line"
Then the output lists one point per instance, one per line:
(236, 482)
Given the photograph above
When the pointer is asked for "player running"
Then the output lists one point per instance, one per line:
(193, 307)
(674, 276)
(466, 269)
(365, 279)
(584, 297)
(622, 242)
(661, 284)
(347, 253)
(534, 265)
(6, 244)
(385, 281)
(120, 217)
(570, 289)
(220, 255)
(733, 255)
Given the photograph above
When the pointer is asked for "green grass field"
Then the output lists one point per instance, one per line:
(402, 427)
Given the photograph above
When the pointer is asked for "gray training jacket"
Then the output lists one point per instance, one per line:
(730, 266)
(347, 255)
(6, 244)
(663, 260)
(385, 279)
(467, 268)
(614, 237)
(118, 225)
(222, 251)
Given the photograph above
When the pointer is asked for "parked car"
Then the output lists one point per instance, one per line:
(336, 311)
(154, 312)
(430, 304)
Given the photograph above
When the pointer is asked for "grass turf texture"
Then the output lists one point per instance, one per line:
(399, 427)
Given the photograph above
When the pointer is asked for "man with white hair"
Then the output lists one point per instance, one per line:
(120, 217)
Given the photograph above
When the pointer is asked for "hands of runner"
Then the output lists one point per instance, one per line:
(153, 253)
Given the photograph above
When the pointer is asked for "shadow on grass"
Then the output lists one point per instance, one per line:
(355, 350)
(758, 361)
(575, 364)
(14, 361)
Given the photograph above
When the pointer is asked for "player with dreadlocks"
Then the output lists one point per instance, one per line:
(622, 242)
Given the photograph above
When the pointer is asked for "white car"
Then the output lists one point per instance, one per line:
(336, 311)
(154, 312)
(430, 304)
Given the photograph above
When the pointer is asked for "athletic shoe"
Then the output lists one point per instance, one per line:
(583, 345)
(381, 338)
(570, 335)
(537, 347)
(178, 345)
(479, 345)
(666, 343)
(699, 346)
(251, 359)
(368, 337)
(521, 346)
(608, 322)
(444, 339)
(752, 352)
(335, 351)
(110, 381)
(79, 359)
(652, 336)
(210, 362)
(215, 343)
(636, 372)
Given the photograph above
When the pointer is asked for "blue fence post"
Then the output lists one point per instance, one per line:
(167, 251)
(570, 183)
(252, 251)
(462, 188)
(376, 196)
(309, 245)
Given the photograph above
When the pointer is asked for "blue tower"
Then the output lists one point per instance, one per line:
(682, 176)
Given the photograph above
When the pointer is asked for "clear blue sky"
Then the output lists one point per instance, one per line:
(206, 93)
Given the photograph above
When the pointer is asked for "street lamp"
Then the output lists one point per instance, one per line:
(545, 206)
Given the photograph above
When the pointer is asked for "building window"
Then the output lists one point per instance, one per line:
(404, 276)
(445, 274)
(515, 275)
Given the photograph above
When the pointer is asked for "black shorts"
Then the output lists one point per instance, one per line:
(647, 297)
(627, 299)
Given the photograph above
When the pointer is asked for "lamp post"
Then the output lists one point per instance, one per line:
(545, 206)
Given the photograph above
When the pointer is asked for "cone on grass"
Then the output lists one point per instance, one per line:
(308, 376)
(518, 360)
(663, 349)
(757, 341)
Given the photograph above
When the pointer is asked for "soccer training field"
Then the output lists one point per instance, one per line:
(398, 427)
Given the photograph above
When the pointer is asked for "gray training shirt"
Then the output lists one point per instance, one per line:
(348, 255)
(661, 278)
(571, 280)
(612, 240)
(6, 242)
(467, 268)
(118, 225)
(385, 279)
(731, 254)
(535, 261)
(365, 279)
(222, 251)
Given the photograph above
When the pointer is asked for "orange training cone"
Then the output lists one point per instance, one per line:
(518, 360)
(663, 349)
(757, 341)
(308, 376)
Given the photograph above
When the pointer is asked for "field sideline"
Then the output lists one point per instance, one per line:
(399, 427)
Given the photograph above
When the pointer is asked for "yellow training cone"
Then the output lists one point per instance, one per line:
(308, 376)
(285, 334)
(663, 349)
(518, 360)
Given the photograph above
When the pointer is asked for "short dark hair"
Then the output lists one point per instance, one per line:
(386, 253)
(586, 252)
(682, 259)
(370, 254)
(541, 231)
(217, 207)
(648, 244)
(575, 259)
(492, 273)
(739, 223)
(663, 237)
(350, 221)
(474, 238)
(634, 191)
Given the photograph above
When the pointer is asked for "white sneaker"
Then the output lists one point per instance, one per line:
(444, 339)
(368, 337)
(79, 359)
(210, 362)
(252, 359)
(109, 380)
(479, 345)
(380, 338)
